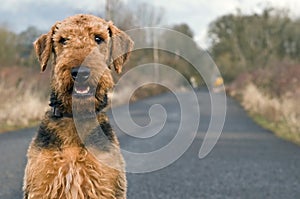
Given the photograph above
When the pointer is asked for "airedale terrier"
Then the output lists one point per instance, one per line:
(83, 50)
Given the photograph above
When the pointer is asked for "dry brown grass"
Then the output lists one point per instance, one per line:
(23, 97)
(281, 115)
(271, 95)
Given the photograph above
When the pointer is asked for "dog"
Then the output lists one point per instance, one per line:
(63, 163)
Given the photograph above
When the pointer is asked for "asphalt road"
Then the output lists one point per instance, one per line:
(247, 162)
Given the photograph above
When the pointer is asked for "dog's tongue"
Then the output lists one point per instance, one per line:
(82, 89)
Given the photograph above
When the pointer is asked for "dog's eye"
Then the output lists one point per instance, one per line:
(63, 41)
(98, 39)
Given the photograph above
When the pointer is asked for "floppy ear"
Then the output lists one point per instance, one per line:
(120, 48)
(43, 48)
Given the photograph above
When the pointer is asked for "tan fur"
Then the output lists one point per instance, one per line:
(65, 168)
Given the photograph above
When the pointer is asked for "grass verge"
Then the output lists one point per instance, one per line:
(280, 129)
(280, 115)
(8, 128)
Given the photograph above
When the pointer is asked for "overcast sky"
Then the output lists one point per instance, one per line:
(19, 14)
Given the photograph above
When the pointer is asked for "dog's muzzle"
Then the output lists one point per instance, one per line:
(80, 75)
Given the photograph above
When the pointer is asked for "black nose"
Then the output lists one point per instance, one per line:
(80, 74)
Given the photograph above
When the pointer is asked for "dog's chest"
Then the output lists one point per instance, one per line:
(73, 173)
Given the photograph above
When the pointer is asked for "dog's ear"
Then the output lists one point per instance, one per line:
(43, 48)
(120, 47)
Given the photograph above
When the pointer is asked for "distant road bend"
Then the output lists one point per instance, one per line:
(247, 162)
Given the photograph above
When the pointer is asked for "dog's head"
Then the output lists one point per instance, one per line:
(84, 49)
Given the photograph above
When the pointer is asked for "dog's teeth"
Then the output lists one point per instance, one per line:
(84, 91)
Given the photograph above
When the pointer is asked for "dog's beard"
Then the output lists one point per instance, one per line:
(83, 99)
(83, 106)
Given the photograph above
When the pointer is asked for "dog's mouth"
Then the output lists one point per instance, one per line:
(80, 90)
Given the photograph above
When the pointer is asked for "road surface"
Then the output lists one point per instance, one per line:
(247, 162)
